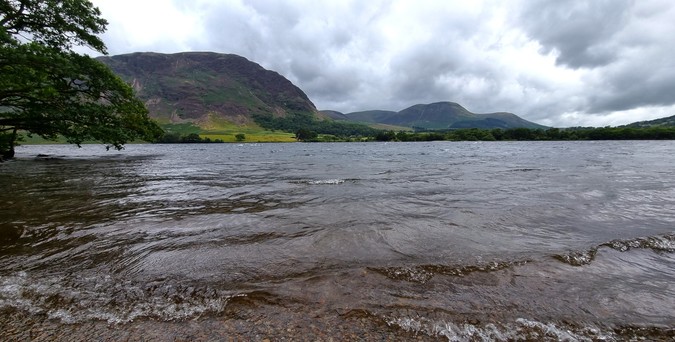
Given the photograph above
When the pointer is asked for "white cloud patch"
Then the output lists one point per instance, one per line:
(562, 63)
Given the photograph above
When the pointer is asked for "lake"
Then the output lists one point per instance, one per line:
(449, 240)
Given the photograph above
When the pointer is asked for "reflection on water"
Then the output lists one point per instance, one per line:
(471, 240)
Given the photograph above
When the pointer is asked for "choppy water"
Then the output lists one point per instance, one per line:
(482, 241)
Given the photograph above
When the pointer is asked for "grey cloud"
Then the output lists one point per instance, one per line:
(331, 51)
(415, 74)
(645, 75)
(624, 45)
(636, 86)
(322, 81)
(279, 35)
(582, 32)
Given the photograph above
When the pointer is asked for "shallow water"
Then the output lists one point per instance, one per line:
(482, 241)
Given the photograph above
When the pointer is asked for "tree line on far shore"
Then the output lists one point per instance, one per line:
(192, 138)
(466, 134)
(529, 134)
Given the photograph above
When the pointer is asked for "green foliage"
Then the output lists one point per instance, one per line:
(385, 136)
(304, 134)
(307, 121)
(240, 136)
(191, 138)
(627, 133)
(48, 90)
(55, 24)
(181, 128)
(529, 134)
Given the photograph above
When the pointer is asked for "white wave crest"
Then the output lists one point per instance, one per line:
(332, 181)
(519, 330)
(107, 299)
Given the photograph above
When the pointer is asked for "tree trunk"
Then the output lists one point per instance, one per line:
(9, 154)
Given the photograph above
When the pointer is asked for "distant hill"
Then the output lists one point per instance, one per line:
(442, 115)
(662, 122)
(199, 87)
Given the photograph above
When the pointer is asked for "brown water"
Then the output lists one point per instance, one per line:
(464, 241)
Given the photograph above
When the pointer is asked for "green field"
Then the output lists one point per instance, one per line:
(216, 128)
(388, 127)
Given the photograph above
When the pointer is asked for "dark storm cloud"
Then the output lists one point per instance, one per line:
(582, 32)
(636, 85)
(624, 45)
(416, 72)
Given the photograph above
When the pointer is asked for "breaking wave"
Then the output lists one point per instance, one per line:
(578, 258)
(334, 181)
(660, 243)
(423, 273)
(114, 301)
(523, 329)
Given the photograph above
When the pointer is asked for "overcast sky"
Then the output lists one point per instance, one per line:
(556, 62)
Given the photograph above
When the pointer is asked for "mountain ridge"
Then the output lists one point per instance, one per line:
(441, 115)
(204, 88)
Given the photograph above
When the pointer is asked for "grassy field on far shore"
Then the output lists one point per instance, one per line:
(214, 129)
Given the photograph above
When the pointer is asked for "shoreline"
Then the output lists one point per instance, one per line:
(291, 325)
(244, 324)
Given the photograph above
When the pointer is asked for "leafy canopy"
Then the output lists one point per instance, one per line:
(48, 89)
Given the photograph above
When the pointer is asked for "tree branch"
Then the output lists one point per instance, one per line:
(13, 16)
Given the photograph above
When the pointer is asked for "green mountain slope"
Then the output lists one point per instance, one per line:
(662, 122)
(335, 115)
(203, 87)
(442, 115)
(371, 116)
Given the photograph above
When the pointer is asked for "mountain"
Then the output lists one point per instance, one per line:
(199, 87)
(204, 88)
(442, 115)
(667, 121)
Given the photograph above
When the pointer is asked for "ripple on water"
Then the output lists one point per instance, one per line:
(532, 240)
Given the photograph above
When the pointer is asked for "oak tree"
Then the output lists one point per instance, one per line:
(48, 89)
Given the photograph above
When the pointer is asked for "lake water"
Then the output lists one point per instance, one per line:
(464, 241)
